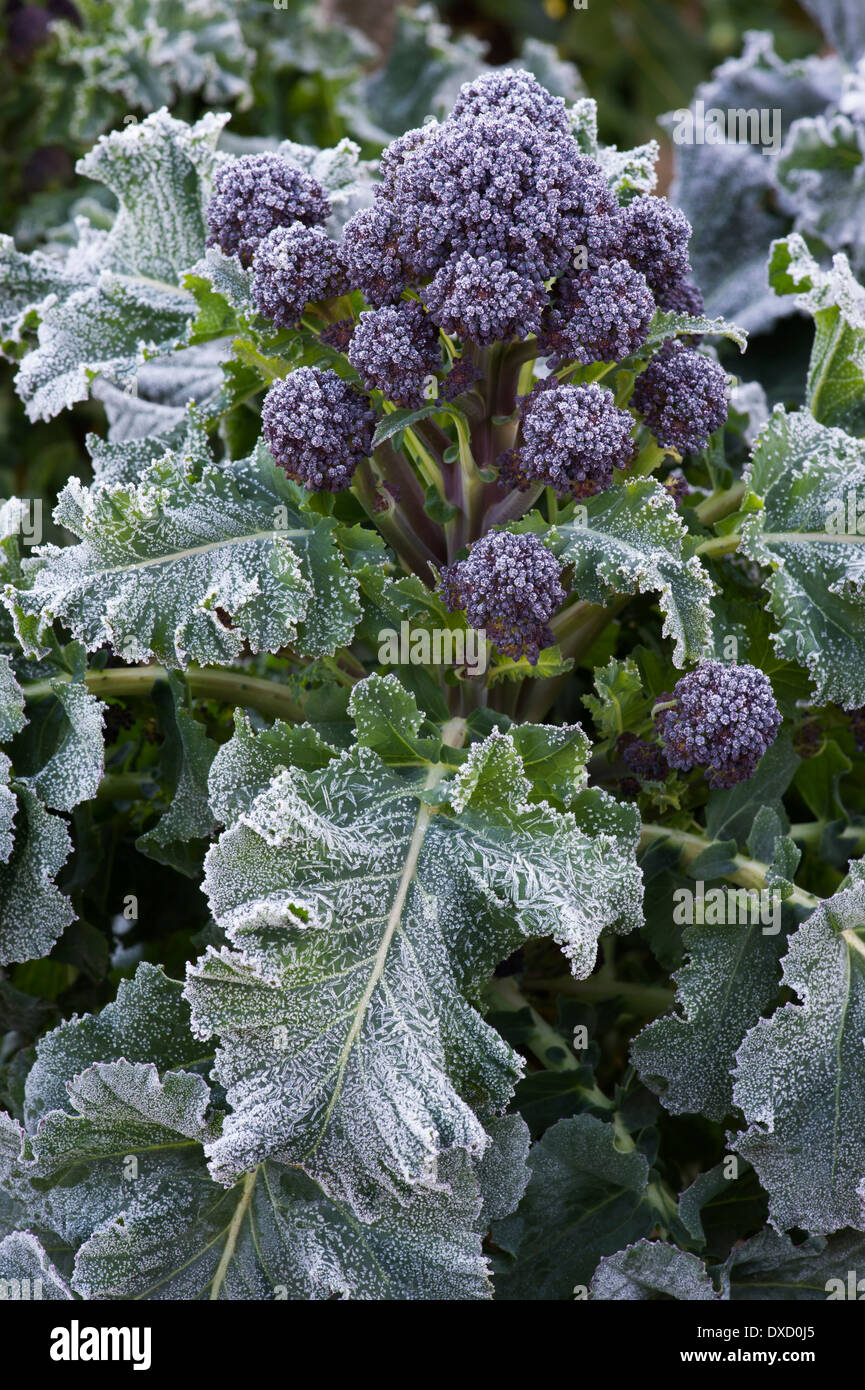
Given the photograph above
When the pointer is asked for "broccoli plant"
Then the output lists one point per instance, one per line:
(430, 743)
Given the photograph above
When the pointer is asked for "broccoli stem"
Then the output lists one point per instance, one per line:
(749, 873)
(719, 545)
(269, 697)
(721, 504)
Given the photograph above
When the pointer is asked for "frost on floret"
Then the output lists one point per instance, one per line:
(512, 93)
(571, 438)
(723, 718)
(494, 185)
(602, 315)
(645, 760)
(682, 297)
(682, 396)
(318, 428)
(291, 267)
(395, 349)
(655, 238)
(509, 587)
(256, 193)
(461, 377)
(483, 301)
(370, 255)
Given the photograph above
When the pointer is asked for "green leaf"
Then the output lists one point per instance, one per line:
(12, 717)
(554, 759)
(666, 325)
(634, 542)
(770, 1267)
(185, 758)
(622, 702)
(33, 911)
(732, 975)
(550, 663)
(60, 754)
(730, 813)
(650, 1269)
(348, 896)
(836, 374)
(403, 418)
(583, 1199)
(25, 1268)
(800, 1079)
(189, 564)
(387, 720)
(803, 473)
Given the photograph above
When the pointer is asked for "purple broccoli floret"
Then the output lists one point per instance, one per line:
(602, 315)
(483, 301)
(682, 396)
(291, 267)
(370, 255)
(509, 586)
(395, 349)
(254, 194)
(318, 428)
(723, 718)
(655, 238)
(510, 92)
(571, 438)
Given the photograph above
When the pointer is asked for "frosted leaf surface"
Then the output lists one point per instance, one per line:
(803, 472)
(190, 563)
(800, 1075)
(633, 542)
(33, 911)
(12, 718)
(22, 1258)
(8, 807)
(74, 759)
(687, 1058)
(246, 764)
(650, 1269)
(502, 1170)
(350, 900)
(584, 1198)
(770, 1267)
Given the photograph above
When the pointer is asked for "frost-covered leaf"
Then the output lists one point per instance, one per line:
(11, 701)
(33, 911)
(186, 755)
(731, 976)
(144, 54)
(770, 1267)
(365, 898)
(800, 1075)
(116, 299)
(190, 563)
(666, 325)
(60, 754)
(836, 301)
(27, 1273)
(804, 473)
(554, 759)
(621, 702)
(584, 1199)
(502, 1171)
(8, 807)
(387, 720)
(821, 171)
(843, 23)
(247, 763)
(124, 461)
(651, 1269)
(633, 541)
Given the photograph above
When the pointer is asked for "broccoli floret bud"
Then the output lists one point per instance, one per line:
(678, 487)
(655, 238)
(395, 349)
(724, 718)
(292, 266)
(682, 396)
(509, 586)
(512, 93)
(482, 301)
(494, 185)
(461, 377)
(338, 335)
(646, 760)
(318, 428)
(370, 255)
(572, 437)
(682, 297)
(602, 315)
(256, 193)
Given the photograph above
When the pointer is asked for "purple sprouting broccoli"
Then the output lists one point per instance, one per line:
(254, 194)
(601, 315)
(396, 349)
(655, 238)
(571, 438)
(338, 335)
(682, 396)
(678, 487)
(682, 297)
(482, 301)
(318, 428)
(721, 718)
(461, 377)
(645, 760)
(370, 255)
(291, 267)
(511, 92)
(509, 586)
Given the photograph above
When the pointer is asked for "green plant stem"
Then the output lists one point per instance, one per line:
(721, 504)
(810, 833)
(650, 457)
(396, 469)
(127, 786)
(414, 553)
(648, 1000)
(717, 546)
(205, 683)
(578, 628)
(749, 873)
(550, 1048)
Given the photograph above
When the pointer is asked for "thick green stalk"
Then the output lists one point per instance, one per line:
(721, 504)
(749, 873)
(719, 545)
(205, 683)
